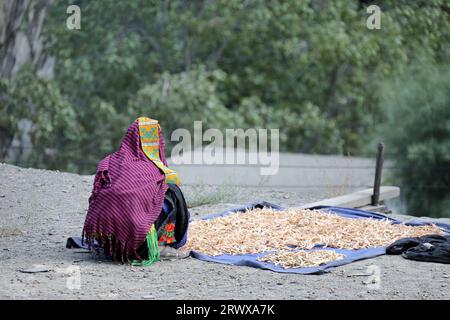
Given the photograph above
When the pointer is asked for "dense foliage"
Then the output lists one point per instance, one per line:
(311, 68)
(417, 106)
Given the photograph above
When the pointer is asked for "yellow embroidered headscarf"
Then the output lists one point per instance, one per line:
(149, 135)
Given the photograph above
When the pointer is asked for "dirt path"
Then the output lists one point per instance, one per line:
(39, 209)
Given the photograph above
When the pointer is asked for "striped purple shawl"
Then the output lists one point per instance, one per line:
(126, 199)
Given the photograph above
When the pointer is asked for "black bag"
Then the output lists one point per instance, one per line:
(178, 211)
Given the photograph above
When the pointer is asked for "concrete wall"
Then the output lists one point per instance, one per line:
(296, 171)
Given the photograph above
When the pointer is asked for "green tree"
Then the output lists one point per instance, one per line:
(54, 133)
(310, 68)
(177, 100)
(417, 132)
(289, 55)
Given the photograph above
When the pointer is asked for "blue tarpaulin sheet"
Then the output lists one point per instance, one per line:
(250, 260)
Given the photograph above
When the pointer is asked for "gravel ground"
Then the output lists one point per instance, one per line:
(39, 209)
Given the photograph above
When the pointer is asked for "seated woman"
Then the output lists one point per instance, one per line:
(137, 212)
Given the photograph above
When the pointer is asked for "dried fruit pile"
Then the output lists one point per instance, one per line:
(260, 230)
(300, 259)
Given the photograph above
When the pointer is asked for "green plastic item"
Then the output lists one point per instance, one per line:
(153, 250)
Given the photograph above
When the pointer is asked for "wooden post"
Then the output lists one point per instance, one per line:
(378, 172)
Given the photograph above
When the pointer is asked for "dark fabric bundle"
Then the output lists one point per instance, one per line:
(177, 210)
(431, 248)
(127, 198)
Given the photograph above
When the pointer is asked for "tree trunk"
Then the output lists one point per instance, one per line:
(21, 41)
